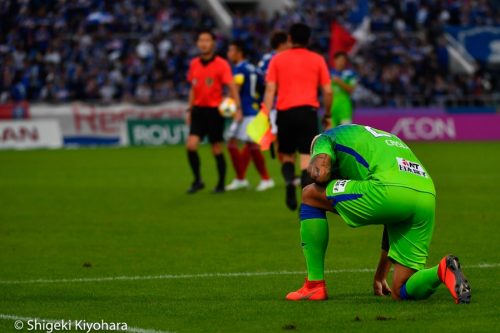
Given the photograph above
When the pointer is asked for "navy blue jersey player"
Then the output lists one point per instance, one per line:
(279, 42)
(250, 85)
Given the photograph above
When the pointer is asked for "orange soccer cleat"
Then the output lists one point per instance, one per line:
(311, 291)
(451, 275)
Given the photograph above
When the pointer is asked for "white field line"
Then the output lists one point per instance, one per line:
(41, 320)
(207, 275)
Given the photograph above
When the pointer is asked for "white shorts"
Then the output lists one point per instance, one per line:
(239, 130)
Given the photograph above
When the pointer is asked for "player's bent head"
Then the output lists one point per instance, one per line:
(278, 38)
(320, 169)
(300, 34)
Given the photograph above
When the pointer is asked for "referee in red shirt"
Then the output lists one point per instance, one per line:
(295, 76)
(208, 74)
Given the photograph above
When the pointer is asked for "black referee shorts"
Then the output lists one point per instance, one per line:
(207, 121)
(297, 127)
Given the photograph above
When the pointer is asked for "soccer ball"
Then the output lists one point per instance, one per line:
(227, 107)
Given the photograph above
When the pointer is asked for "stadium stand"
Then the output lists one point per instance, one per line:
(103, 51)
(96, 50)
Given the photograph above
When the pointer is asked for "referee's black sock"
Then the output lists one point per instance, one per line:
(194, 163)
(305, 179)
(288, 172)
(221, 169)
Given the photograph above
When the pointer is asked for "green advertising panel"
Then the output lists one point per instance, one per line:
(156, 132)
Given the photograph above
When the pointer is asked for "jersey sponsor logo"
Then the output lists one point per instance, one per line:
(393, 143)
(340, 186)
(411, 167)
(209, 81)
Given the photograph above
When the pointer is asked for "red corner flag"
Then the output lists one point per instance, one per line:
(340, 40)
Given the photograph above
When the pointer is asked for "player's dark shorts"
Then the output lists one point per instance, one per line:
(206, 121)
(297, 127)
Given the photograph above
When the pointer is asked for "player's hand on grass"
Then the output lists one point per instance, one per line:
(381, 288)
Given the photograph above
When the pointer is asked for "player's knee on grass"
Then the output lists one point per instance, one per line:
(401, 275)
(396, 290)
(395, 294)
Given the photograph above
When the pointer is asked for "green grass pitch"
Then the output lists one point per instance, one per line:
(96, 213)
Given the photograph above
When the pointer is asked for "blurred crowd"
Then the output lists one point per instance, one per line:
(406, 61)
(55, 50)
(139, 50)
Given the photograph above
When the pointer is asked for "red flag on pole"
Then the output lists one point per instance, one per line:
(340, 40)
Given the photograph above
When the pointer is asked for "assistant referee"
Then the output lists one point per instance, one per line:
(208, 74)
(295, 76)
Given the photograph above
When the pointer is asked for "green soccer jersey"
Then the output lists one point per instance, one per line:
(342, 105)
(342, 96)
(364, 153)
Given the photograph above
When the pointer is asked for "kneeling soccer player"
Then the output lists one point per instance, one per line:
(369, 177)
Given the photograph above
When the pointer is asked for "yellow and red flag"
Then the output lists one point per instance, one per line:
(259, 129)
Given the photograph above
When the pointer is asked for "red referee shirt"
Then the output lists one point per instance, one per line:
(208, 79)
(298, 73)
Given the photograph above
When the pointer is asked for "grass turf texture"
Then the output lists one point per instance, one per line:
(125, 212)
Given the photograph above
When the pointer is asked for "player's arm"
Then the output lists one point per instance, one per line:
(234, 93)
(320, 169)
(271, 85)
(380, 285)
(326, 89)
(228, 81)
(348, 87)
(270, 94)
(322, 160)
(189, 78)
(327, 103)
(239, 79)
(190, 106)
